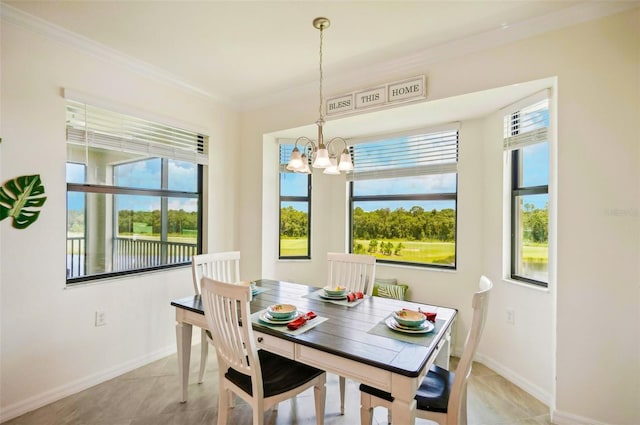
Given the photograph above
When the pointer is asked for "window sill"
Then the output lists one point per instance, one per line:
(527, 285)
(134, 275)
(421, 268)
(294, 260)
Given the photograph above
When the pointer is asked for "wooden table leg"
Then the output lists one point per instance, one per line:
(403, 412)
(183, 340)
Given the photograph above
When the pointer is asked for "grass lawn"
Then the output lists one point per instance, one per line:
(419, 252)
(415, 251)
(426, 252)
(293, 247)
(535, 253)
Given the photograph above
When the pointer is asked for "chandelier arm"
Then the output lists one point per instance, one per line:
(309, 145)
(346, 146)
(306, 140)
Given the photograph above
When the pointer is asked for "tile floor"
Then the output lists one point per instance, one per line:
(149, 396)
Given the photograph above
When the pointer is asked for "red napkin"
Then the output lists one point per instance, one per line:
(430, 315)
(301, 320)
(352, 296)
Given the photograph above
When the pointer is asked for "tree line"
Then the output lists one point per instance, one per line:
(179, 221)
(535, 222)
(414, 224)
(293, 223)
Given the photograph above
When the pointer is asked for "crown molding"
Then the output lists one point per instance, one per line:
(12, 15)
(415, 63)
(348, 80)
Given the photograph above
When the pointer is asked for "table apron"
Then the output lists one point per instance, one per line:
(186, 316)
(348, 368)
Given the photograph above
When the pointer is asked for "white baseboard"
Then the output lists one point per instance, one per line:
(564, 418)
(532, 389)
(55, 394)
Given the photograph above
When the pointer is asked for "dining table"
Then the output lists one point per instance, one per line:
(355, 338)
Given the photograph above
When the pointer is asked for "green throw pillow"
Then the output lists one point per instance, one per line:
(390, 290)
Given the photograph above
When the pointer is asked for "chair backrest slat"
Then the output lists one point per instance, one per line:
(356, 272)
(221, 266)
(480, 305)
(226, 307)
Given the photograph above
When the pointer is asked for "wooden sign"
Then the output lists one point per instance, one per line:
(377, 97)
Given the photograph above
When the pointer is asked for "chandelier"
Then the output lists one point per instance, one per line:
(321, 155)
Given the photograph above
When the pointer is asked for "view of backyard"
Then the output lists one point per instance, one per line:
(438, 249)
(422, 252)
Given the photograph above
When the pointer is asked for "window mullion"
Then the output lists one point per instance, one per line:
(531, 190)
(416, 197)
(164, 213)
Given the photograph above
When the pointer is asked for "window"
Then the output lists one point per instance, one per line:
(134, 194)
(295, 210)
(403, 195)
(527, 149)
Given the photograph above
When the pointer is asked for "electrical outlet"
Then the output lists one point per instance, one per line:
(511, 316)
(101, 318)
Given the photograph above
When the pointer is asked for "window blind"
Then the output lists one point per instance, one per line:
(527, 125)
(100, 128)
(285, 155)
(404, 156)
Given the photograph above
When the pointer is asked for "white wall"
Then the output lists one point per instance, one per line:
(528, 343)
(591, 374)
(49, 345)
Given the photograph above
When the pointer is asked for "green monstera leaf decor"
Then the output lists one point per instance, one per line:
(21, 199)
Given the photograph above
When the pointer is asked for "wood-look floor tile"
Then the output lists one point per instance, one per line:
(506, 390)
(539, 420)
(150, 396)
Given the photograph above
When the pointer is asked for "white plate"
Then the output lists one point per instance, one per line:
(266, 317)
(332, 297)
(334, 292)
(426, 327)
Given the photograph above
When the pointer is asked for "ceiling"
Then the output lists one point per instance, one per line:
(239, 52)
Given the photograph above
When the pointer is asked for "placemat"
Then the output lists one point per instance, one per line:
(315, 295)
(255, 318)
(259, 290)
(381, 329)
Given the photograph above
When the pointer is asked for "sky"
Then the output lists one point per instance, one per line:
(143, 175)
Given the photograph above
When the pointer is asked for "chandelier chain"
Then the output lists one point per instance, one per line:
(321, 76)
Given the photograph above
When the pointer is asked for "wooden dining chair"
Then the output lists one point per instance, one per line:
(357, 273)
(224, 266)
(259, 377)
(442, 395)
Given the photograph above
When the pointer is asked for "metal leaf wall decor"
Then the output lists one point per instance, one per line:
(21, 198)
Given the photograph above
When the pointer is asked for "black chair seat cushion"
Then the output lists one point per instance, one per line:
(279, 374)
(432, 395)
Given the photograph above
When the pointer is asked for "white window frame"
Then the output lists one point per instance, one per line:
(511, 144)
(283, 158)
(102, 126)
